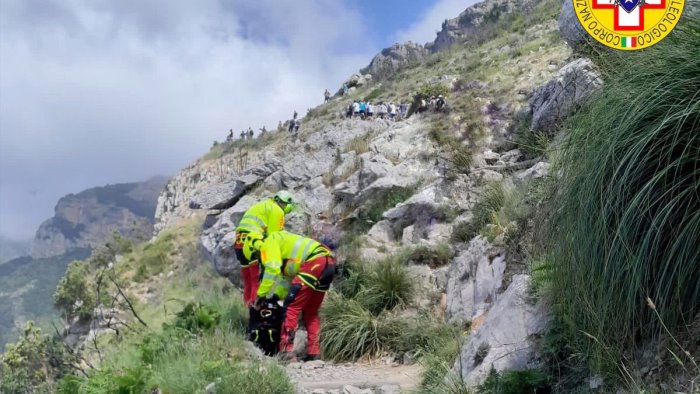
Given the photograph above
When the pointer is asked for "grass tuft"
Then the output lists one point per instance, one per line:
(626, 216)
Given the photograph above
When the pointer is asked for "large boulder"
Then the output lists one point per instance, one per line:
(570, 27)
(559, 98)
(505, 340)
(218, 237)
(391, 59)
(474, 278)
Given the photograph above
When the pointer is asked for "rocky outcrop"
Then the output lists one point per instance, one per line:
(468, 22)
(86, 219)
(391, 59)
(474, 278)
(505, 340)
(570, 27)
(559, 98)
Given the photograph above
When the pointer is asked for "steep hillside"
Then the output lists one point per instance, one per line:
(84, 219)
(26, 287)
(469, 234)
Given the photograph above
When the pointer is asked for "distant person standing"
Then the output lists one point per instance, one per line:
(403, 109)
(355, 108)
(250, 133)
(243, 134)
(392, 111)
(345, 89)
(326, 96)
(370, 110)
(229, 138)
(363, 109)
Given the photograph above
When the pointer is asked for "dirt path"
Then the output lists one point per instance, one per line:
(318, 377)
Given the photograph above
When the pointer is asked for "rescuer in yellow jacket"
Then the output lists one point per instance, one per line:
(260, 220)
(300, 271)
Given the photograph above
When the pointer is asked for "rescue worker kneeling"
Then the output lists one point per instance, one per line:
(261, 219)
(300, 271)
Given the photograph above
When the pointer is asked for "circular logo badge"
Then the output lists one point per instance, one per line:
(628, 24)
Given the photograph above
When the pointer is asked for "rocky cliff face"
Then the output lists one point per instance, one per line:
(483, 13)
(85, 219)
(391, 59)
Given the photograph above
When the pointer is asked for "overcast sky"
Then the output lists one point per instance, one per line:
(94, 92)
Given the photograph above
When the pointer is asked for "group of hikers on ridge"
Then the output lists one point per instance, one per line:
(285, 270)
(362, 109)
(366, 110)
(249, 134)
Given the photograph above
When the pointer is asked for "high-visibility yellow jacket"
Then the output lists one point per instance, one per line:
(288, 250)
(261, 219)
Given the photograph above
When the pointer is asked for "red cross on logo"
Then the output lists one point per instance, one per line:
(629, 20)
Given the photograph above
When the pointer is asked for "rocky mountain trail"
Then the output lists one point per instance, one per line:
(319, 377)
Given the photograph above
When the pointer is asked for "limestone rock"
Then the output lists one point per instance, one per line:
(539, 170)
(216, 241)
(391, 59)
(570, 27)
(557, 99)
(459, 28)
(512, 156)
(504, 341)
(475, 276)
(491, 157)
(217, 196)
(389, 389)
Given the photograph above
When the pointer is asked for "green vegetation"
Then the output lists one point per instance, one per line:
(625, 219)
(438, 360)
(434, 257)
(34, 363)
(204, 344)
(359, 144)
(483, 213)
(515, 382)
(362, 316)
(26, 288)
(457, 153)
(373, 213)
(74, 295)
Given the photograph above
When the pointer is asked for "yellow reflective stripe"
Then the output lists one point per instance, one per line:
(306, 251)
(270, 334)
(255, 219)
(273, 288)
(249, 228)
(295, 248)
(308, 279)
(269, 276)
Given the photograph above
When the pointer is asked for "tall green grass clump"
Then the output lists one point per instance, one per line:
(626, 219)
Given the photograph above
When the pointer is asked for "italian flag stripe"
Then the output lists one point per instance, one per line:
(628, 42)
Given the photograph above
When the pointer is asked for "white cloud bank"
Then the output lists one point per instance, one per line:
(95, 92)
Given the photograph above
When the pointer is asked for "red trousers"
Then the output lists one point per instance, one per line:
(307, 303)
(250, 275)
(250, 272)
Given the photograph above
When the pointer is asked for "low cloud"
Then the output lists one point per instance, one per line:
(95, 92)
